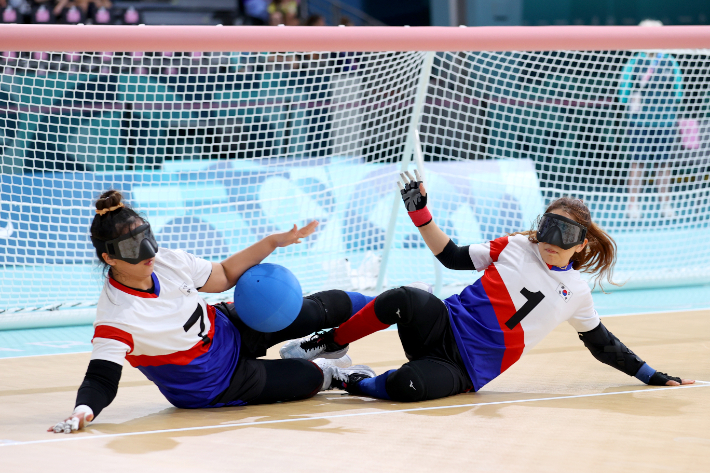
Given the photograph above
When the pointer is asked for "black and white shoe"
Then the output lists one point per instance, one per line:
(343, 362)
(342, 378)
(320, 345)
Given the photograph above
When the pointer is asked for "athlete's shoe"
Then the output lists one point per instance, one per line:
(343, 362)
(342, 378)
(320, 345)
(347, 379)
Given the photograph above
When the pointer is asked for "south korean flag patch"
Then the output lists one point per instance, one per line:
(564, 292)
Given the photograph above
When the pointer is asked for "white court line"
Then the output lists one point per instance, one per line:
(46, 354)
(66, 438)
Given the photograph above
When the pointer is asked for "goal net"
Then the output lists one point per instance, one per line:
(219, 149)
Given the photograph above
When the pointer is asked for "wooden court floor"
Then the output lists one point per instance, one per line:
(557, 409)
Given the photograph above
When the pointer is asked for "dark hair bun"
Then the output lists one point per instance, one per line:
(108, 199)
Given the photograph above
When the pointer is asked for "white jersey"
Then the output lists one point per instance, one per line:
(172, 335)
(517, 302)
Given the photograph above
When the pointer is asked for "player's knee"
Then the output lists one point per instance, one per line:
(406, 385)
(393, 307)
(335, 304)
(312, 380)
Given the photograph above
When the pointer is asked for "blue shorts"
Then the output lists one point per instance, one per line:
(651, 143)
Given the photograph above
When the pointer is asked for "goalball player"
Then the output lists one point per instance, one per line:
(150, 313)
(531, 284)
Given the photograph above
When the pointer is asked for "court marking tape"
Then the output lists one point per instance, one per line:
(75, 437)
(45, 354)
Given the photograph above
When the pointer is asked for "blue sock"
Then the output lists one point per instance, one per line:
(375, 387)
(358, 300)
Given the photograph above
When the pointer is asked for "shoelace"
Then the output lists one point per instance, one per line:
(314, 342)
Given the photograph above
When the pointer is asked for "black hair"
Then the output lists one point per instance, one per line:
(114, 223)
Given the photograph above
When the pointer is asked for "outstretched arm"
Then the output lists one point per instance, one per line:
(225, 274)
(608, 349)
(96, 392)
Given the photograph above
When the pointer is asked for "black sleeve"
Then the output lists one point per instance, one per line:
(100, 385)
(455, 257)
(606, 348)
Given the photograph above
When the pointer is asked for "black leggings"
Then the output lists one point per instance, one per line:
(267, 381)
(435, 368)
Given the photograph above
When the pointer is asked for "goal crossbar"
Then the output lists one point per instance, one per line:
(154, 38)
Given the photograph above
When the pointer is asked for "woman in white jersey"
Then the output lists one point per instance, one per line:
(151, 315)
(531, 284)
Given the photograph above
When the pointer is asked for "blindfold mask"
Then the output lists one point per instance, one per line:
(135, 246)
(560, 231)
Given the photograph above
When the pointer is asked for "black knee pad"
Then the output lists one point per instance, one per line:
(289, 380)
(394, 307)
(336, 305)
(406, 385)
(313, 381)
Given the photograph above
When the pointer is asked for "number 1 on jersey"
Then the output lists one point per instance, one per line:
(533, 299)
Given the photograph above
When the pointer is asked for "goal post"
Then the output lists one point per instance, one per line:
(222, 135)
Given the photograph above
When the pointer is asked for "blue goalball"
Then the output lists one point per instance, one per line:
(268, 297)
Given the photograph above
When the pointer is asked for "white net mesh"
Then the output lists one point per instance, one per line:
(220, 149)
(627, 132)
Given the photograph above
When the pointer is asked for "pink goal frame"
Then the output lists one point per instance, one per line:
(377, 38)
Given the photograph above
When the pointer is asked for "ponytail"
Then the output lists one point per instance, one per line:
(599, 256)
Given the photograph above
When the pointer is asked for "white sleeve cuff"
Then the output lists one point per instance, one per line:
(83, 409)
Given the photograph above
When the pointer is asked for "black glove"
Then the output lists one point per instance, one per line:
(659, 379)
(414, 201)
(411, 195)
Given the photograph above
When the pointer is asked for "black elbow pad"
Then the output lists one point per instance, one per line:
(608, 349)
(455, 257)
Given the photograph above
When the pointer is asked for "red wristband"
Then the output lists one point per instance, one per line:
(420, 217)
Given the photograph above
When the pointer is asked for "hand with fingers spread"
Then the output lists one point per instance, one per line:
(294, 235)
(80, 418)
(414, 197)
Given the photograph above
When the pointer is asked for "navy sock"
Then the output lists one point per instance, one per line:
(358, 300)
(375, 387)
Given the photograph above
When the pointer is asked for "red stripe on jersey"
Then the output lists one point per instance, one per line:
(128, 290)
(497, 246)
(179, 357)
(113, 333)
(504, 308)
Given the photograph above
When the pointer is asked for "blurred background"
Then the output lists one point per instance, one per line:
(356, 12)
